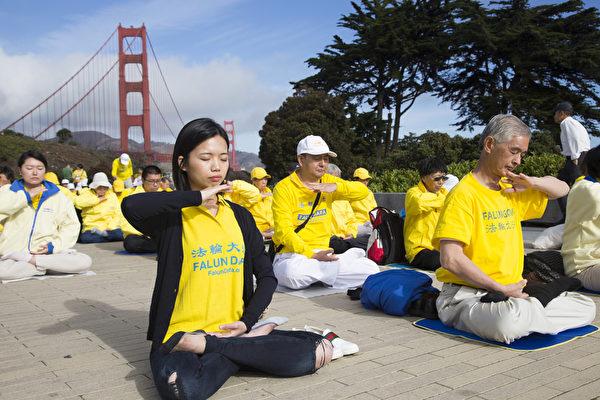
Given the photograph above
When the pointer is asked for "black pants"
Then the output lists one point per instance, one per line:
(427, 259)
(340, 245)
(139, 244)
(568, 173)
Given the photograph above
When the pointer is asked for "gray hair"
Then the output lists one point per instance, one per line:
(503, 127)
(334, 170)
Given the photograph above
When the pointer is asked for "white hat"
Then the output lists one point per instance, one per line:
(124, 159)
(70, 186)
(64, 181)
(100, 179)
(84, 182)
(314, 145)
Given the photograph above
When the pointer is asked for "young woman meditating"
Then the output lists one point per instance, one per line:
(204, 305)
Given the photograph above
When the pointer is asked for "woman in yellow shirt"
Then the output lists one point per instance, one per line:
(205, 307)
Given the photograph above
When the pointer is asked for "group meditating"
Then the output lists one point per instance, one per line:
(214, 279)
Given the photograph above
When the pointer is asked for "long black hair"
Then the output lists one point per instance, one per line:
(190, 136)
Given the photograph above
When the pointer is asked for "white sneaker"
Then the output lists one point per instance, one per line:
(344, 346)
(341, 347)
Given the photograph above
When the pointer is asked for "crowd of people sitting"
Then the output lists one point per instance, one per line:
(214, 278)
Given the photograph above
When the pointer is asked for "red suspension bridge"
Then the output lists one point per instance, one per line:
(118, 101)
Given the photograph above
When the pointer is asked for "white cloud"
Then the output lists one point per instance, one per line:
(222, 89)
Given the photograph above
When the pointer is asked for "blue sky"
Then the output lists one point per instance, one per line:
(226, 59)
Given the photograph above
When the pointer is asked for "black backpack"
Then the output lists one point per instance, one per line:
(386, 244)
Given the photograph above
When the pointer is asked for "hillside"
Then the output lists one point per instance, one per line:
(57, 154)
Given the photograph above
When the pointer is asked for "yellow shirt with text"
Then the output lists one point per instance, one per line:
(422, 213)
(292, 203)
(488, 222)
(212, 274)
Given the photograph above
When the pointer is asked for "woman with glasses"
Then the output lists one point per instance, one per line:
(423, 203)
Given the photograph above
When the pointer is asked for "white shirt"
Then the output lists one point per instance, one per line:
(574, 138)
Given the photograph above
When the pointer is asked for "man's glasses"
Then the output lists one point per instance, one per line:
(440, 178)
(153, 181)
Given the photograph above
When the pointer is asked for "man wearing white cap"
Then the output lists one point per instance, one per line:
(100, 211)
(123, 169)
(302, 212)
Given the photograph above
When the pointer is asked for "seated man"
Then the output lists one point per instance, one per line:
(345, 230)
(581, 237)
(134, 241)
(362, 207)
(40, 225)
(100, 211)
(423, 204)
(481, 245)
(261, 210)
(304, 256)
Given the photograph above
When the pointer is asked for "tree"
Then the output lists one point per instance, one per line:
(398, 47)
(307, 112)
(523, 60)
(64, 135)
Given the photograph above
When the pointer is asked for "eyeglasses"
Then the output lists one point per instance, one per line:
(441, 178)
(153, 181)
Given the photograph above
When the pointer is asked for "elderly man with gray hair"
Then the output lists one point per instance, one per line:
(481, 244)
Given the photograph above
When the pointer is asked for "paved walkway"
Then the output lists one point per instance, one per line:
(84, 338)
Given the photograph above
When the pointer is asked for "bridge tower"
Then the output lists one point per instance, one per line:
(228, 126)
(125, 87)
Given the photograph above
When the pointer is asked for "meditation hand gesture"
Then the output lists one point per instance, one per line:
(210, 192)
(35, 191)
(515, 289)
(324, 255)
(236, 328)
(519, 182)
(322, 187)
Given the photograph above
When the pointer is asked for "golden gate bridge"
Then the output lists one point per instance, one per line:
(111, 103)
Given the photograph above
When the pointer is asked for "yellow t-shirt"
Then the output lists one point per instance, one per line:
(292, 202)
(362, 207)
(243, 193)
(488, 222)
(262, 213)
(212, 274)
(422, 213)
(343, 219)
(78, 175)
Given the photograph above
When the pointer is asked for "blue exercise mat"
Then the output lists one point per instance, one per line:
(126, 253)
(535, 341)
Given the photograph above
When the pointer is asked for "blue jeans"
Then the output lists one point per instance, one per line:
(115, 235)
(199, 376)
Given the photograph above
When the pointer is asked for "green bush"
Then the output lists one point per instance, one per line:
(400, 180)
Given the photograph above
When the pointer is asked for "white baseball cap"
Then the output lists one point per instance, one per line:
(314, 145)
(64, 181)
(124, 158)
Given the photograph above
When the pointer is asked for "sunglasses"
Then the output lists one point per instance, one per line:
(440, 178)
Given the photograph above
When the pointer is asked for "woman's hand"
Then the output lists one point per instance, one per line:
(35, 191)
(42, 250)
(210, 192)
(236, 328)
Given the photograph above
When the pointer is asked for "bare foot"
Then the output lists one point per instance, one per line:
(193, 342)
